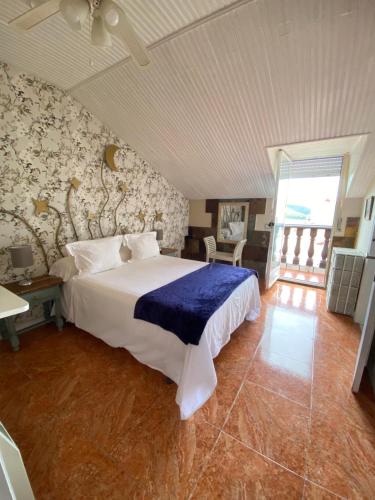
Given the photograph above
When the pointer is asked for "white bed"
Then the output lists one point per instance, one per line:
(103, 305)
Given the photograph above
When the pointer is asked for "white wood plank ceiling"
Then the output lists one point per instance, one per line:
(252, 75)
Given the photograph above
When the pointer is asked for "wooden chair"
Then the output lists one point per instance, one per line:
(212, 253)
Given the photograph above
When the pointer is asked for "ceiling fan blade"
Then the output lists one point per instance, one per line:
(118, 24)
(36, 15)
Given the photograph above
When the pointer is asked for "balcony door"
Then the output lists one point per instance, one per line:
(315, 191)
(277, 222)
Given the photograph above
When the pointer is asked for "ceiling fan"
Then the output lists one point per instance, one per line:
(107, 19)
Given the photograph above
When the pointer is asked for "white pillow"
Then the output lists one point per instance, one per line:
(64, 268)
(95, 256)
(142, 245)
(125, 252)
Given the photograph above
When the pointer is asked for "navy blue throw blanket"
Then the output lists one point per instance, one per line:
(185, 305)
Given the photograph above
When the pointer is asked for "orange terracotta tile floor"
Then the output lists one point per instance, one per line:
(311, 278)
(92, 422)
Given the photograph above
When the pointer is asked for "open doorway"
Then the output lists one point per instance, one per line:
(312, 180)
(308, 220)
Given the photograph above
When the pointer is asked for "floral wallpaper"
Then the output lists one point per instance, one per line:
(47, 139)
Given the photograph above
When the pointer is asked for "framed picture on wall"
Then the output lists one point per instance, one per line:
(232, 221)
(369, 205)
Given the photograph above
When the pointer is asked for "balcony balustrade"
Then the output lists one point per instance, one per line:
(305, 245)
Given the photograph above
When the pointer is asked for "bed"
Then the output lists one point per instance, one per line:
(103, 304)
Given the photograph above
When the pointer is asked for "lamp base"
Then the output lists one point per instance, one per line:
(25, 282)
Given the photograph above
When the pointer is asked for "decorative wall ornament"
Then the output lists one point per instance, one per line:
(158, 217)
(47, 138)
(123, 188)
(141, 216)
(74, 184)
(43, 206)
(109, 155)
(369, 205)
(90, 218)
(57, 232)
(105, 201)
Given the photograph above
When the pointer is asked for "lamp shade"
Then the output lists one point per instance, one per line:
(159, 234)
(99, 33)
(21, 255)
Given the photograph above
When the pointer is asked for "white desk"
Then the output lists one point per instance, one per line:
(11, 304)
(14, 483)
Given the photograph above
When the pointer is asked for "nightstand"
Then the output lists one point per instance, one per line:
(171, 252)
(43, 290)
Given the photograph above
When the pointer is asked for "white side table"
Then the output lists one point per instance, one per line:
(11, 304)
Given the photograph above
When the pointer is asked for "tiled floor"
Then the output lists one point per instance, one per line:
(93, 423)
(316, 279)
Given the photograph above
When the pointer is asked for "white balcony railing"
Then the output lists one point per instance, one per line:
(305, 246)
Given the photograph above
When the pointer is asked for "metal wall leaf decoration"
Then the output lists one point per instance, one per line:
(74, 184)
(158, 217)
(90, 216)
(109, 155)
(141, 216)
(43, 206)
(123, 188)
(109, 160)
(105, 201)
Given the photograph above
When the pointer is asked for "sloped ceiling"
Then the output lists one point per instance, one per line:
(220, 90)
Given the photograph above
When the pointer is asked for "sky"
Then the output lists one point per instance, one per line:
(317, 194)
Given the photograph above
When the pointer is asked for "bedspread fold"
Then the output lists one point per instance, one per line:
(184, 306)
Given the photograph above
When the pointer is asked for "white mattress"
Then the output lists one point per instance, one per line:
(103, 305)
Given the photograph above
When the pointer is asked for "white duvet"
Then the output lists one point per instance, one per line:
(103, 305)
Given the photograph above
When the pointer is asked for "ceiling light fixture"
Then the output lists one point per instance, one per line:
(108, 19)
(75, 12)
(99, 33)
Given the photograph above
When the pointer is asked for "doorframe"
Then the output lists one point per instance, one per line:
(337, 217)
(272, 223)
(366, 341)
(336, 223)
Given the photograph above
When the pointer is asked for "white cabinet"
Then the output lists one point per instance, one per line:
(344, 280)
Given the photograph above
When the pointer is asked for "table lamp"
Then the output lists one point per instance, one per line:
(22, 257)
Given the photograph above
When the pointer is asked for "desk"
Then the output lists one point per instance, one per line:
(10, 305)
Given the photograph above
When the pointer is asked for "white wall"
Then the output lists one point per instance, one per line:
(197, 214)
(365, 228)
(199, 218)
(352, 207)
(262, 219)
(363, 243)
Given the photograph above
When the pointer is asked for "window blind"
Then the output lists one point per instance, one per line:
(311, 167)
